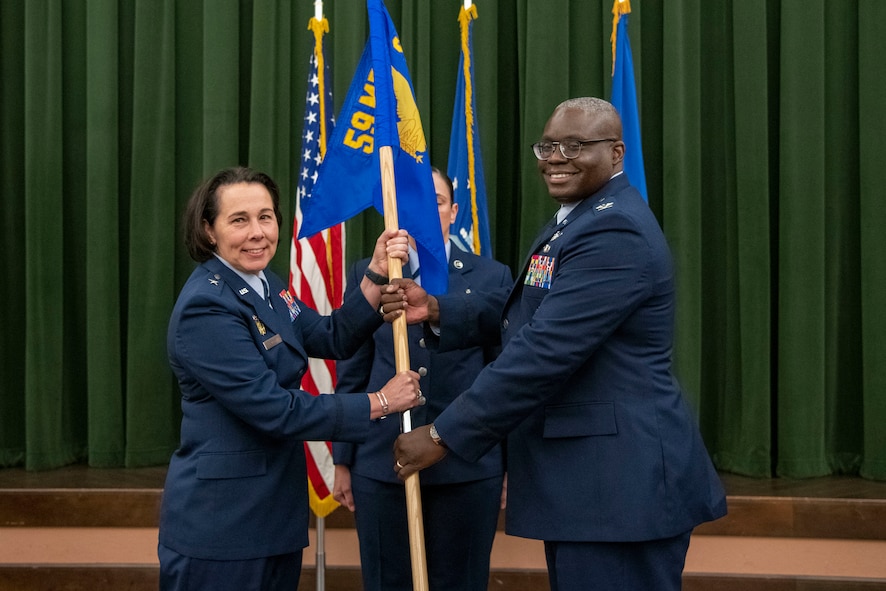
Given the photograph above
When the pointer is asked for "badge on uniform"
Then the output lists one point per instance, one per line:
(541, 271)
(259, 325)
(294, 310)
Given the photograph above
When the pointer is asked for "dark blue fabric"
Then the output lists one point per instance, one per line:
(469, 189)
(624, 99)
(601, 445)
(236, 486)
(459, 526)
(380, 111)
(460, 499)
(272, 573)
(656, 565)
(446, 374)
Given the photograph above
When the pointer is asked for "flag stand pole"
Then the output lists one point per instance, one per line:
(318, 26)
(321, 553)
(401, 358)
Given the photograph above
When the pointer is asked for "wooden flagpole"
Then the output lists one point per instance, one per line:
(401, 359)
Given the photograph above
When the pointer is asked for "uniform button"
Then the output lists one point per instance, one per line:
(468, 290)
(421, 343)
(422, 371)
(504, 324)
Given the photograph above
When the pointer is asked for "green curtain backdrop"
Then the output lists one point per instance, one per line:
(764, 141)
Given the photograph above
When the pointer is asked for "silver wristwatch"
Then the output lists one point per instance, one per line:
(436, 436)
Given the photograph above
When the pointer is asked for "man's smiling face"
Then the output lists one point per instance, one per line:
(571, 180)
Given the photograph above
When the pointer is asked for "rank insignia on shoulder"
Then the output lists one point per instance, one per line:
(214, 280)
(603, 206)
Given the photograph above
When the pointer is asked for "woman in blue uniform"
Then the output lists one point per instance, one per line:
(234, 513)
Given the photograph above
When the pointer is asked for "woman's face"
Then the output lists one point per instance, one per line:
(245, 231)
(445, 206)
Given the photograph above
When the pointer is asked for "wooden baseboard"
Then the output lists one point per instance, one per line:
(38, 577)
(109, 577)
(66, 530)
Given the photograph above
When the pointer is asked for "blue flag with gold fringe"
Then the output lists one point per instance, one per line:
(471, 228)
(380, 110)
(624, 96)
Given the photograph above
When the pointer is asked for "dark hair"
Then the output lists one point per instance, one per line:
(448, 180)
(203, 206)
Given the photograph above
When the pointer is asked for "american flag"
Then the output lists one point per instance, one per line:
(316, 263)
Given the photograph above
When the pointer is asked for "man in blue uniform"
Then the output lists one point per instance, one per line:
(605, 461)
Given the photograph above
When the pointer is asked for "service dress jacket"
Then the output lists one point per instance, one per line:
(601, 445)
(444, 375)
(237, 485)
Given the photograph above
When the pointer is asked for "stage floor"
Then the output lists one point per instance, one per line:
(823, 529)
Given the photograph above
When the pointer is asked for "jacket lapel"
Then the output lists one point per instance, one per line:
(279, 317)
(610, 188)
(276, 320)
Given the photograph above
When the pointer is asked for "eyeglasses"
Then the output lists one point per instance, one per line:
(569, 148)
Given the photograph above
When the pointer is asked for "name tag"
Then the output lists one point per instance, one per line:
(272, 342)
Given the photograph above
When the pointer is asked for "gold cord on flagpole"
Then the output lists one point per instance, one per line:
(619, 7)
(319, 27)
(465, 16)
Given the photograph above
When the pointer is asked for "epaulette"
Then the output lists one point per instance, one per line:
(604, 204)
(215, 279)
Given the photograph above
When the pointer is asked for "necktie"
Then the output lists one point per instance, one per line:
(416, 275)
(267, 294)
